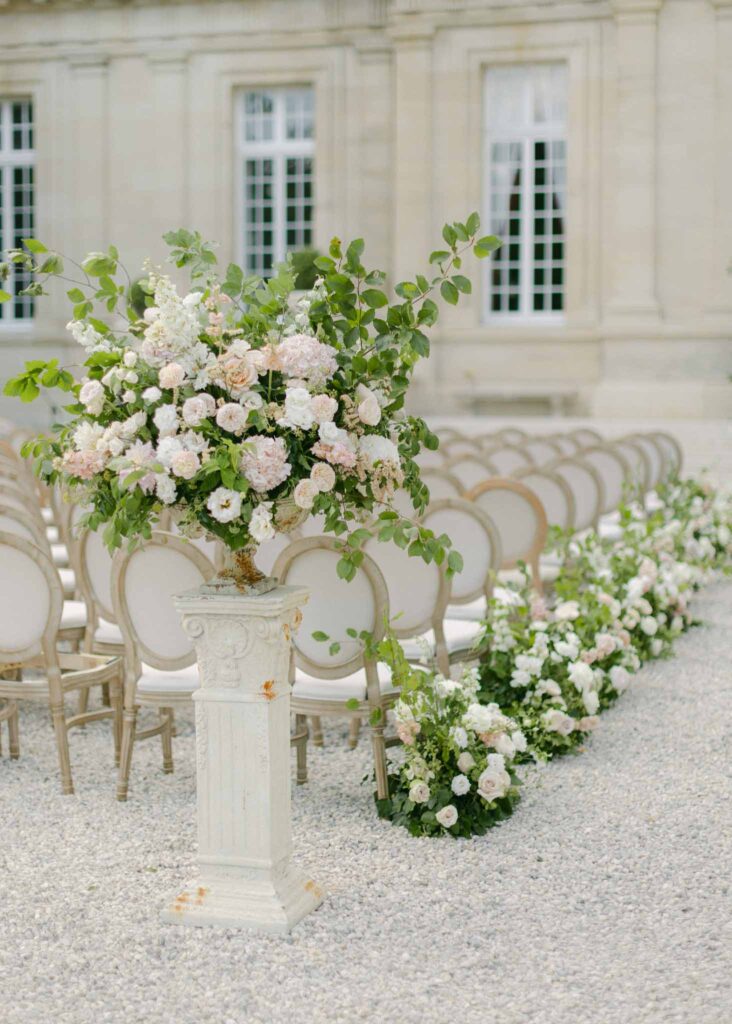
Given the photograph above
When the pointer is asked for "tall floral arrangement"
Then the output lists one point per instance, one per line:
(238, 405)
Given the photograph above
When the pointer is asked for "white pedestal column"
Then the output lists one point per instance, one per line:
(247, 878)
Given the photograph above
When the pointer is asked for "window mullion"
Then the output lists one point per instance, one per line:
(527, 224)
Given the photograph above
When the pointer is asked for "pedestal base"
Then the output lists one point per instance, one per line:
(235, 903)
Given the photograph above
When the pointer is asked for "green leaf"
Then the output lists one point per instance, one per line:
(449, 234)
(320, 636)
(455, 561)
(34, 246)
(5, 296)
(449, 292)
(76, 295)
(374, 298)
(473, 223)
(485, 246)
(352, 704)
(439, 256)
(462, 284)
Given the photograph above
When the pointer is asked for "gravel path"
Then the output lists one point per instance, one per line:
(605, 899)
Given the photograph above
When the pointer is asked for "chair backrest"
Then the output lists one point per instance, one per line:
(671, 449)
(428, 458)
(470, 469)
(654, 457)
(512, 435)
(144, 583)
(507, 458)
(17, 497)
(476, 538)
(519, 517)
(448, 434)
(419, 593)
(441, 483)
(334, 606)
(94, 567)
(460, 446)
(12, 520)
(553, 492)
(586, 436)
(31, 600)
(638, 464)
(614, 470)
(541, 450)
(586, 485)
(567, 444)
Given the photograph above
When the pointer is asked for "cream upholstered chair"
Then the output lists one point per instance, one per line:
(671, 449)
(541, 450)
(566, 444)
(470, 469)
(31, 603)
(507, 458)
(654, 457)
(479, 542)
(441, 483)
(638, 464)
(586, 436)
(610, 463)
(460, 446)
(160, 661)
(11, 493)
(587, 489)
(553, 492)
(519, 517)
(325, 683)
(512, 435)
(9, 714)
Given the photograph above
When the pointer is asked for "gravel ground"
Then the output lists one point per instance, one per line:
(603, 901)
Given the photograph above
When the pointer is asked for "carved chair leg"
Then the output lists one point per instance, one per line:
(83, 703)
(129, 723)
(316, 730)
(106, 698)
(379, 748)
(58, 716)
(115, 693)
(14, 732)
(301, 749)
(166, 736)
(173, 727)
(354, 730)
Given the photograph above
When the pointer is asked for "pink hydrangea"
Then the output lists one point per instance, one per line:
(84, 464)
(264, 462)
(301, 355)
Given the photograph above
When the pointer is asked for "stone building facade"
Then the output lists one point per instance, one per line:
(594, 135)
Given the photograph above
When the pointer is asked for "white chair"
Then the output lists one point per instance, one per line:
(554, 494)
(654, 456)
(541, 450)
(512, 435)
(160, 660)
(346, 682)
(460, 446)
(31, 603)
(586, 485)
(507, 458)
(586, 436)
(566, 444)
(519, 517)
(441, 483)
(470, 469)
(672, 451)
(479, 542)
(638, 464)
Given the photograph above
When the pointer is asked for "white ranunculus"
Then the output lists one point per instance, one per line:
(232, 417)
(224, 505)
(460, 785)
(261, 526)
(165, 419)
(466, 761)
(448, 815)
(419, 792)
(91, 396)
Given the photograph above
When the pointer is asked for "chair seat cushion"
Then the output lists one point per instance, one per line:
(60, 555)
(460, 635)
(52, 534)
(155, 681)
(348, 688)
(73, 615)
(474, 611)
(108, 633)
(68, 582)
(47, 514)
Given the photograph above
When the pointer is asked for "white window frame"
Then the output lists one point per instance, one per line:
(277, 149)
(9, 159)
(525, 134)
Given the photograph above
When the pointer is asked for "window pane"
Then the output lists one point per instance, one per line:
(258, 175)
(17, 199)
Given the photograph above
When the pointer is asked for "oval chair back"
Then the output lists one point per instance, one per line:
(31, 601)
(512, 435)
(639, 466)
(671, 449)
(614, 470)
(507, 458)
(144, 583)
(566, 444)
(470, 469)
(586, 485)
(541, 450)
(460, 446)
(419, 593)
(554, 494)
(12, 520)
(519, 517)
(586, 436)
(477, 540)
(441, 483)
(654, 456)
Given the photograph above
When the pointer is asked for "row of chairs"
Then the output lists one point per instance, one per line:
(129, 621)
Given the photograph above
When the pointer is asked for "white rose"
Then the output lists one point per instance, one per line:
(419, 792)
(131, 377)
(298, 411)
(129, 359)
(619, 677)
(133, 424)
(504, 745)
(323, 476)
(116, 446)
(459, 736)
(656, 647)
(152, 394)
(567, 650)
(261, 526)
(232, 417)
(493, 783)
(588, 724)
(171, 376)
(448, 815)
(194, 411)
(556, 720)
(460, 785)
(185, 464)
(129, 397)
(305, 494)
(91, 395)
(166, 419)
(649, 625)
(369, 411)
(466, 761)
(328, 432)
(519, 741)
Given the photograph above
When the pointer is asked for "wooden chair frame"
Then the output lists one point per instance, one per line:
(533, 553)
(560, 482)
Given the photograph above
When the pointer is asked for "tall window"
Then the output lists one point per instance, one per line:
(276, 178)
(525, 188)
(17, 159)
